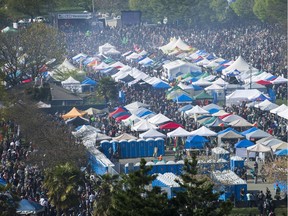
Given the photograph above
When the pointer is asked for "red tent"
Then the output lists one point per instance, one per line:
(170, 125)
(264, 82)
(223, 116)
(120, 118)
(119, 109)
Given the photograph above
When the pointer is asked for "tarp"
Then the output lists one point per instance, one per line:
(89, 81)
(41, 104)
(230, 135)
(85, 130)
(118, 110)
(133, 119)
(159, 119)
(74, 112)
(124, 136)
(279, 109)
(195, 142)
(26, 207)
(93, 111)
(132, 107)
(179, 132)
(257, 134)
(196, 110)
(143, 125)
(151, 133)
(183, 99)
(240, 123)
(244, 144)
(280, 146)
(283, 152)
(203, 96)
(161, 85)
(203, 131)
(170, 125)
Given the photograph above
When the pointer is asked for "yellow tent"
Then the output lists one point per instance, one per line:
(74, 112)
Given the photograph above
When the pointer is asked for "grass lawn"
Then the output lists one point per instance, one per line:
(254, 211)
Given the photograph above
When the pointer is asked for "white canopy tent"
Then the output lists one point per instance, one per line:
(196, 110)
(152, 133)
(204, 131)
(159, 119)
(106, 47)
(257, 134)
(134, 106)
(72, 85)
(179, 132)
(240, 64)
(131, 120)
(143, 125)
(259, 148)
(279, 109)
(283, 114)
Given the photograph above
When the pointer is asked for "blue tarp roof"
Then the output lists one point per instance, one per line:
(89, 81)
(213, 110)
(262, 98)
(228, 129)
(2, 182)
(249, 131)
(244, 144)
(185, 108)
(29, 207)
(195, 142)
(121, 114)
(182, 98)
(283, 152)
(161, 85)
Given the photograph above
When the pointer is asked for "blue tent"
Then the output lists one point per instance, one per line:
(121, 114)
(161, 85)
(249, 131)
(89, 81)
(196, 142)
(244, 144)
(261, 98)
(185, 108)
(213, 110)
(228, 129)
(195, 87)
(183, 99)
(283, 152)
(29, 207)
(142, 112)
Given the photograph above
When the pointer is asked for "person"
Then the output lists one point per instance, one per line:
(160, 158)
(242, 194)
(278, 191)
(249, 199)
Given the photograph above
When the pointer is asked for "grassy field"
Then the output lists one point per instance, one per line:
(255, 211)
(279, 101)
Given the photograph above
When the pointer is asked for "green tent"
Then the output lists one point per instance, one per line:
(208, 121)
(203, 96)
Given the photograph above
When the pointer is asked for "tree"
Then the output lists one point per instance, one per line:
(11, 55)
(198, 198)
(243, 8)
(8, 201)
(105, 190)
(134, 198)
(62, 75)
(31, 8)
(41, 43)
(107, 88)
(271, 10)
(49, 138)
(62, 183)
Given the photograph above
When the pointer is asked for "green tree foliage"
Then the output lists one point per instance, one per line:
(49, 138)
(105, 190)
(198, 198)
(62, 75)
(107, 89)
(40, 44)
(135, 199)
(271, 10)
(62, 182)
(8, 201)
(221, 11)
(31, 8)
(243, 8)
